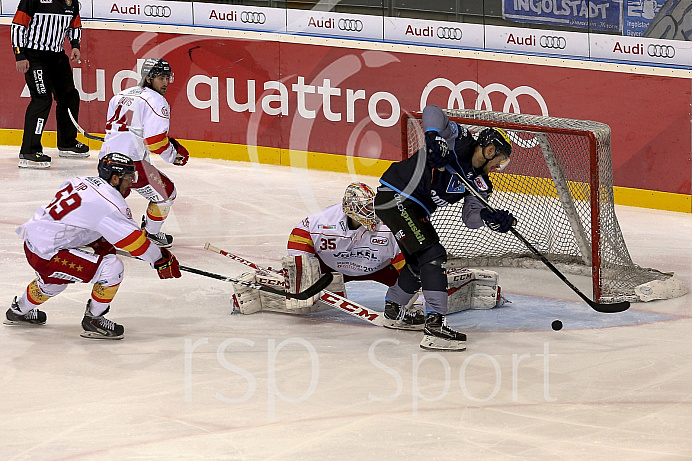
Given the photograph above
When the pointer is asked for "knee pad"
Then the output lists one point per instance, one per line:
(110, 271)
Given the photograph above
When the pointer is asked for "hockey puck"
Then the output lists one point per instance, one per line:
(557, 325)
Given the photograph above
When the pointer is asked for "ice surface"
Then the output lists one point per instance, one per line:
(192, 381)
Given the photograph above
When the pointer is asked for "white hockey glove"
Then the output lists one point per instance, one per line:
(472, 289)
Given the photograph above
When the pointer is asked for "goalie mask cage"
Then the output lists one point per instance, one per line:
(559, 185)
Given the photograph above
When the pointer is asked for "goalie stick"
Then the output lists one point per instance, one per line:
(81, 130)
(327, 297)
(598, 307)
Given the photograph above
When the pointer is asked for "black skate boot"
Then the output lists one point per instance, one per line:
(78, 150)
(99, 327)
(439, 337)
(33, 317)
(401, 318)
(36, 160)
(161, 239)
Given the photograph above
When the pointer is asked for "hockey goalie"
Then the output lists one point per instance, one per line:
(348, 240)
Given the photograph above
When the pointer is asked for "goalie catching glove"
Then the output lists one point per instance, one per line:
(472, 289)
(301, 272)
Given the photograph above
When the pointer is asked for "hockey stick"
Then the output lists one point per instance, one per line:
(81, 130)
(598, 307)
(327, 297)
(311, 291)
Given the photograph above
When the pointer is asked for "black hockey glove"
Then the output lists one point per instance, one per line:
(500, 221)
(437, 149)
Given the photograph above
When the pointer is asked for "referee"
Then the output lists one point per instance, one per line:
(38, 32)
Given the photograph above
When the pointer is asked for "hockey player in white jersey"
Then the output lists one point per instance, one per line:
(137, 126)
(86, 212)
(346, 239)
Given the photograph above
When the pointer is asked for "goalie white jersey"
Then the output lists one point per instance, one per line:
(138, 123)
(83, 210)
(352, 252)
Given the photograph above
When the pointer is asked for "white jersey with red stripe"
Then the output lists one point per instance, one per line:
(83, 210)
(138, 123)
(352, 252)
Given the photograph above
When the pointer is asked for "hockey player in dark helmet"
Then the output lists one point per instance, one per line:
(412, 189)
(86, 212)
(122, 167)
(156, 74)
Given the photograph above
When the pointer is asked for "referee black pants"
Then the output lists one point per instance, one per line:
(49, 75)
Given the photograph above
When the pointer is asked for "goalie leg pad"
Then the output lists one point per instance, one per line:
(301, 271)
(472, 289)
(246, 300)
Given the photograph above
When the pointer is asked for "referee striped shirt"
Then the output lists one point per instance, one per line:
(43, 25)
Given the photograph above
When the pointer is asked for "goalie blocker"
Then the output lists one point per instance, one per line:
(467, 288)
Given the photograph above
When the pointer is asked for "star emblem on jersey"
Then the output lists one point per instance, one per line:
(455, 186)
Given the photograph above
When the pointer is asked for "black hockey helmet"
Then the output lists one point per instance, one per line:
(153, 67)
(498, 137)
(115, 163)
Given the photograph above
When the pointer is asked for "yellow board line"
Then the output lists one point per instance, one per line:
(370, 167)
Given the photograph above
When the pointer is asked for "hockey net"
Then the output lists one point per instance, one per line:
(559, 184)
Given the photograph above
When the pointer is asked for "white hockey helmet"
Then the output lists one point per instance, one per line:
(359, 204)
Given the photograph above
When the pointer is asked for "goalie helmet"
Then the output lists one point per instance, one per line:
(359, 205)
(116, 163)
(153, 67)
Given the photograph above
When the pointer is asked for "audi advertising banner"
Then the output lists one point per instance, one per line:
(537, 41)
(312, 97)
(451, 35)
(156, 11)
(239, 17)
(603, 15)
(334, 24)
(641, 49)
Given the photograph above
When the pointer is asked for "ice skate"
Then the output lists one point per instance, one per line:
(33, 317)
(79, 150)
(36, 160)
(99, 327)
(161, 238)
(401, 318)
(439, 337)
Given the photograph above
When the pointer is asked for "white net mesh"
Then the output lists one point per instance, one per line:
(559, 185)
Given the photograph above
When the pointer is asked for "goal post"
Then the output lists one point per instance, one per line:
(559, 185)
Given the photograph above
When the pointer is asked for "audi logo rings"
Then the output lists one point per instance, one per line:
(661, 51)
(157, 11)
(449, 33)
(253, 17)
(552, 41)
(351, 25)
